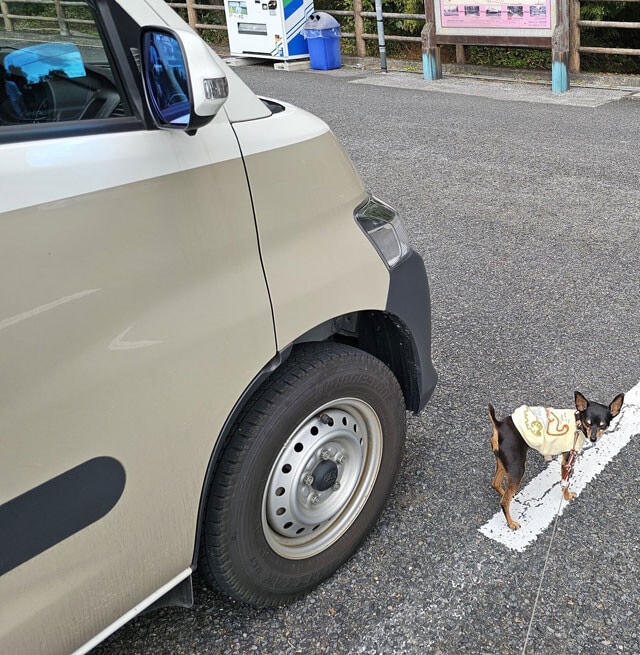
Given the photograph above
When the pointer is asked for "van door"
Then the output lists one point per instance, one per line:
(133, 314)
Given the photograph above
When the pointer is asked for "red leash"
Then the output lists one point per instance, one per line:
(568, 467)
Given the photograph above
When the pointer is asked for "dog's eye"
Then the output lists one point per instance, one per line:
(603, 424)
(588, 421)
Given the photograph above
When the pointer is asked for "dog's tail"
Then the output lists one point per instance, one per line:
(494, 428)
(492, 416)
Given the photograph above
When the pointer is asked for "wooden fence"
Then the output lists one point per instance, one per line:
(193, 12)
(196, 12)
(64, 23)
(574, 39)
(360, 36)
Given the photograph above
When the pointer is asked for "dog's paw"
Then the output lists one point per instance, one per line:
(514, 525)
(568, 495)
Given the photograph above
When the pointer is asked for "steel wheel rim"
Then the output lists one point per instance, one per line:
(322, 478)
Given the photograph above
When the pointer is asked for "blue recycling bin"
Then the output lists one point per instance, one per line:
(322, 33)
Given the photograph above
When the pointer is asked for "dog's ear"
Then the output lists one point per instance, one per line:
(616, 404)
(581, 402)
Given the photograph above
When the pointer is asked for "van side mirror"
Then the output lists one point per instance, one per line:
(184, 85)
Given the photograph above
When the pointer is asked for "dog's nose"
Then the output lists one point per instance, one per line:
(593, 433)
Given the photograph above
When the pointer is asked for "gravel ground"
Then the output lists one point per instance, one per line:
(526, 213)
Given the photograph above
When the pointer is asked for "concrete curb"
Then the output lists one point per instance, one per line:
(595, 80)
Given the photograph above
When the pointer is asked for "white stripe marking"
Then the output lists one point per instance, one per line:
(120, 344)
(12, 320)
(536, 505)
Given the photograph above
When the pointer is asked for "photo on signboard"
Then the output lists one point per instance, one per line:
(528, 20)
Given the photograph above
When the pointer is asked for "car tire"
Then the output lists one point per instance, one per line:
(304, 475)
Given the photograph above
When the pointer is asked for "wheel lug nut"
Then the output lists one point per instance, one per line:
(314, 499)
(340, 458)
(325, 454)
(336, 486)
(308, 479)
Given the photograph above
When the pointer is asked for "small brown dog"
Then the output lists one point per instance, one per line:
(550, 432)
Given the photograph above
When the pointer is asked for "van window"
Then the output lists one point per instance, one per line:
(54, 66)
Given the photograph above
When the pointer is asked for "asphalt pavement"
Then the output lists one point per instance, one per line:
(525, 208)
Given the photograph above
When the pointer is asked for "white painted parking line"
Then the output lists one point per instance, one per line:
(537, 504)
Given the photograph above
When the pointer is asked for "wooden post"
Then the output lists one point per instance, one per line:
(574, 37)
(192, 14)
(62, 20)
(358, 22)
(560, 50)
(460, 56)
(8, 23)
(431, 64)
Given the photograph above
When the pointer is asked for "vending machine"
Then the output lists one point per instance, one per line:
(267, 28)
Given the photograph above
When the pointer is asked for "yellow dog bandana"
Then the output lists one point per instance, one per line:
(550, 431)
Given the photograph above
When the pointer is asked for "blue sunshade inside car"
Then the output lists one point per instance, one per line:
(36, 63)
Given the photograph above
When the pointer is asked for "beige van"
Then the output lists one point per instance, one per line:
(210, 332)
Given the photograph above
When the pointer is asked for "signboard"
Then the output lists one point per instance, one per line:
(526, 18)
(519, 23)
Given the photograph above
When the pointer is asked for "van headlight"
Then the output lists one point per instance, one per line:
(384, 227)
